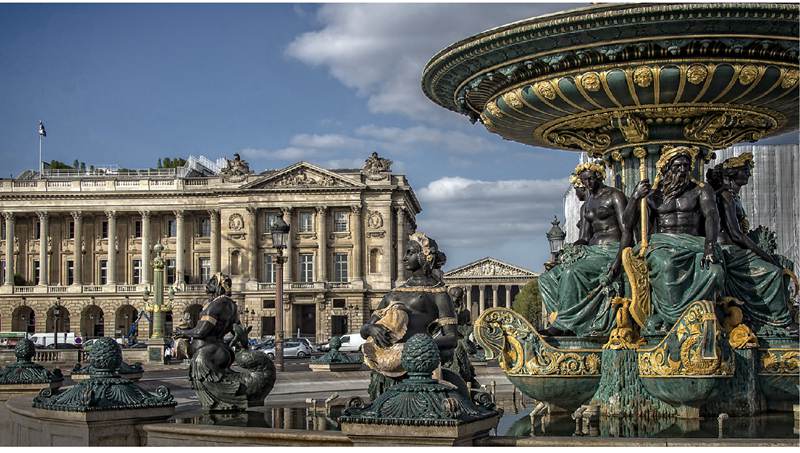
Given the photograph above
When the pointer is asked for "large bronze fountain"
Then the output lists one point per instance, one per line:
(669, 303)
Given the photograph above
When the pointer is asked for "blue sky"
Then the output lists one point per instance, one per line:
(278, 83)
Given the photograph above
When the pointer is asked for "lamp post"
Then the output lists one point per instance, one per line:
(280, 235)
(56, 316)
(555, 236)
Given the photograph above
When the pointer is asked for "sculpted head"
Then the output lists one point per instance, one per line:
(422, 253)
(219, 284)
(590, 175)
(580, 190)
(675, 170)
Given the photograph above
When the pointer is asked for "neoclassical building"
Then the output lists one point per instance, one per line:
(84, 240)
(489, 282)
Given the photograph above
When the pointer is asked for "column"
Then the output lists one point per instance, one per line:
(180, 239)
(252, 252)
(481, 298)
(508, 296)
(77, 256)
(322, 237)
(401, 243)
(468, 291)
(9, 216)
(356, 222)
(145, 247)
(214, 219)
(111, 276)
(494, 295)
(290, 264)
(44, 269)
(387, 258)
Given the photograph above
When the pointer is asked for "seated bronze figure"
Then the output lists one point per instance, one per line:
(420, 305)
(218, 387)
(576, 292)
(752, 276)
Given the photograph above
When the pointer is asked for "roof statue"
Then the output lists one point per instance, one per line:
(375, 165)
(237, 169)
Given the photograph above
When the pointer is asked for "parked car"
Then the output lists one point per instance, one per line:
(306, 341)
(351, 342)
(44, 340)
(290, 349)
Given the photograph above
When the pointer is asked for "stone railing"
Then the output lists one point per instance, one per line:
(339, 285)
(112, 183)
(127, 289)
(92, 288)
(199, 287)
(307, 285)
(24, 289)
(266, 286)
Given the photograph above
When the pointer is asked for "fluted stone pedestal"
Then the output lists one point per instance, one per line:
(118, 428)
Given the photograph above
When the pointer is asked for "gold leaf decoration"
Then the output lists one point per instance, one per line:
(545, 90)
(790, 78)
(591, 81)
(748, 75)
(643, 76)
(696, 74)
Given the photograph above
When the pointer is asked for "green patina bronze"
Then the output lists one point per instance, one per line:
(420, 399)
(334, 355)
(25, 371)
(105, 389)
(652, 91)
(125, 369)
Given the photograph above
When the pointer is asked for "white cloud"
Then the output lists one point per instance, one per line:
(290, 153)
(379, 50)
(326, 141)
(469, 214)
(411, 138)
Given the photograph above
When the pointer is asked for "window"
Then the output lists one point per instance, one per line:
(36, 229)
(2, 271)
(340, 267)
(103, 272)
(2, 230)
(70, 272)
(306, 267)
(35, 271)
(136, 272)
(104, 229)
(270, 270)
(271, 219)
(339, 303)
(137, 228)
(205, 269)
(205, 227)
(339, 325)
(71, 230)
(170, 268)
(268, 303)
(340, 221)
(375, 261)
(267, 325)
(172, 228)
(306, 222)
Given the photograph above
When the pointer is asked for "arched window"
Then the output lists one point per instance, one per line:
(375, 261)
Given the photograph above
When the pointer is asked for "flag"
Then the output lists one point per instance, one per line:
(42, 132)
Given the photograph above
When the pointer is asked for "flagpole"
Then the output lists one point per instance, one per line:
(41, 167)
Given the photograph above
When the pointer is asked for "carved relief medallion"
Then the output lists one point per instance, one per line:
(374, 220)
(236, 222)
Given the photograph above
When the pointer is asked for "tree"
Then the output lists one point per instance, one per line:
(75, 164)
(528, 303)
(159, 163)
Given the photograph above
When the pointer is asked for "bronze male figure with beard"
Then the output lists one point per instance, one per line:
(683, 255)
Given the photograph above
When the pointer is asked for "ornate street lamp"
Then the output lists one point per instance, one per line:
(280, 236)
(555, 236)
(56, 316)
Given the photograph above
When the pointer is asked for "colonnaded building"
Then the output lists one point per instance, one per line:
(84, 240)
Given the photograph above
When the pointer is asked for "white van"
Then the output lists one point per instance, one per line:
(43, 340)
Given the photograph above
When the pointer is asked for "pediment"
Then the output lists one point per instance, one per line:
(302, 175)
(489, 267)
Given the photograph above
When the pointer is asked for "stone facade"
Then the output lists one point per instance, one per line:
(488, 283)
(94, 233)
